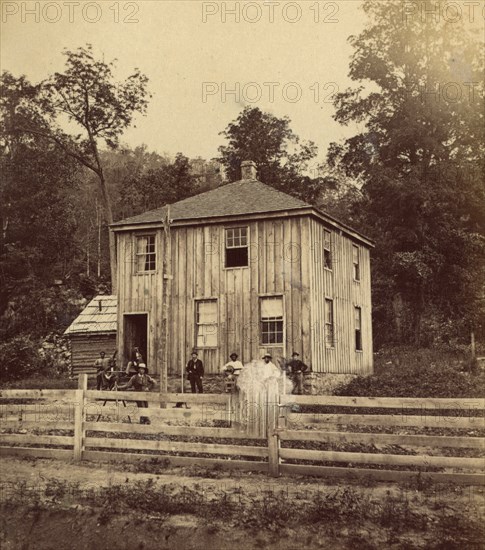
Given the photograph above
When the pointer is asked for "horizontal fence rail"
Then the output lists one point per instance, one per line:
(385, 402)
(324, 436)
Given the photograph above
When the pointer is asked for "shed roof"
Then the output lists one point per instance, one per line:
(98, 316)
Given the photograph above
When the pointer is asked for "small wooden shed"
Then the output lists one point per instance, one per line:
(93, 331)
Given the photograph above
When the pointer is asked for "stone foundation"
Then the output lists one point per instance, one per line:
(322, 383)
(212, 383)
(315, 383)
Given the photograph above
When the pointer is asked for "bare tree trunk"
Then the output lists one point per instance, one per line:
(109, 218)
(112, 260)
(87, 256)
(419, 309)
(4, 233)
(397, 304)
(98, 219)
(97, 168)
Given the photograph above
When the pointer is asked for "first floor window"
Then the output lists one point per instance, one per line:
(358, 328)
(327, 249)
(271, 320)
(146, 255)
(206, 323)
(237, 248)
(329, 324)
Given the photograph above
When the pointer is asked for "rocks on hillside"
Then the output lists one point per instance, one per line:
(55, 352)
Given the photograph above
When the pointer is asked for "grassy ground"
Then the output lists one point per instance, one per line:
(115, 506)
(407, 372)
(45, 382)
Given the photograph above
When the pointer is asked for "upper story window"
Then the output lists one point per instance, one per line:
(271, 320)
(146, 256)
(356, 262)
(237, 248)
(358, 328)
(206, 323)
(327, 249)
(329, 324)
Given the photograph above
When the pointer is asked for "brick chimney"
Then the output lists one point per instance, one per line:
(248, 170)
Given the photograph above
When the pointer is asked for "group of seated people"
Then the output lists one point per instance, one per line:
(134, 376)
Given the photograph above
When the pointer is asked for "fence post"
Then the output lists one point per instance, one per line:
(272, 411)
(79, 417)
(229, 406)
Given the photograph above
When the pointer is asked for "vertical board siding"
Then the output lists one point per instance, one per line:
(286, 259)
(338, 285)
(135, 295)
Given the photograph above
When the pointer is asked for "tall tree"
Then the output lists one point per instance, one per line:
(155, 187)
(421, 156)
(38, 246)
(90, 100)
(280, 156)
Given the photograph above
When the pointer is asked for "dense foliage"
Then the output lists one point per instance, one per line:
(420, 157)
(280, 156)
(405, 372)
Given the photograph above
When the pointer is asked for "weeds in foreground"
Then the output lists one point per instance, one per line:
(349, 510)
(153, 466)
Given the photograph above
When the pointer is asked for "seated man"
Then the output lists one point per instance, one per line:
(233, 365)
(231, 370)
(108, 378)
(135, 360)
(140, 382)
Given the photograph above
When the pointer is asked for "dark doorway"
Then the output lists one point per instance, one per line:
(136, 335)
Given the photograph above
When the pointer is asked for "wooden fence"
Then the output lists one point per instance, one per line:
(388, 439)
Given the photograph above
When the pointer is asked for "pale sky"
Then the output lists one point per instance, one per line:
(183, 54)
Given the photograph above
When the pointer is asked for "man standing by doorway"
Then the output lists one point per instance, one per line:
(195, 373)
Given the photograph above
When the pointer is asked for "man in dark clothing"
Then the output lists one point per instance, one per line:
(140, 382)
(296, 368)
(195, 372)
(102, 365)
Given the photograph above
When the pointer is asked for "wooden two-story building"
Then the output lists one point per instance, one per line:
(252, 270)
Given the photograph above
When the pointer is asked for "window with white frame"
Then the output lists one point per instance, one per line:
(237, 247)
(206, 323)
(329, 324)
(327, 249)
(272, 322)
(356, 262)
(358, 328)
(146, 255)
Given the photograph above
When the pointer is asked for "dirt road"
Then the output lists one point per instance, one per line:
(37, 514)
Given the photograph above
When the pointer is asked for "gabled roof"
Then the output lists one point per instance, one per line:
(98, 316)
(233, 199)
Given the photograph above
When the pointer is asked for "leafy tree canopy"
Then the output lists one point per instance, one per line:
(280, 156)
(421, 157)
(80, 110)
